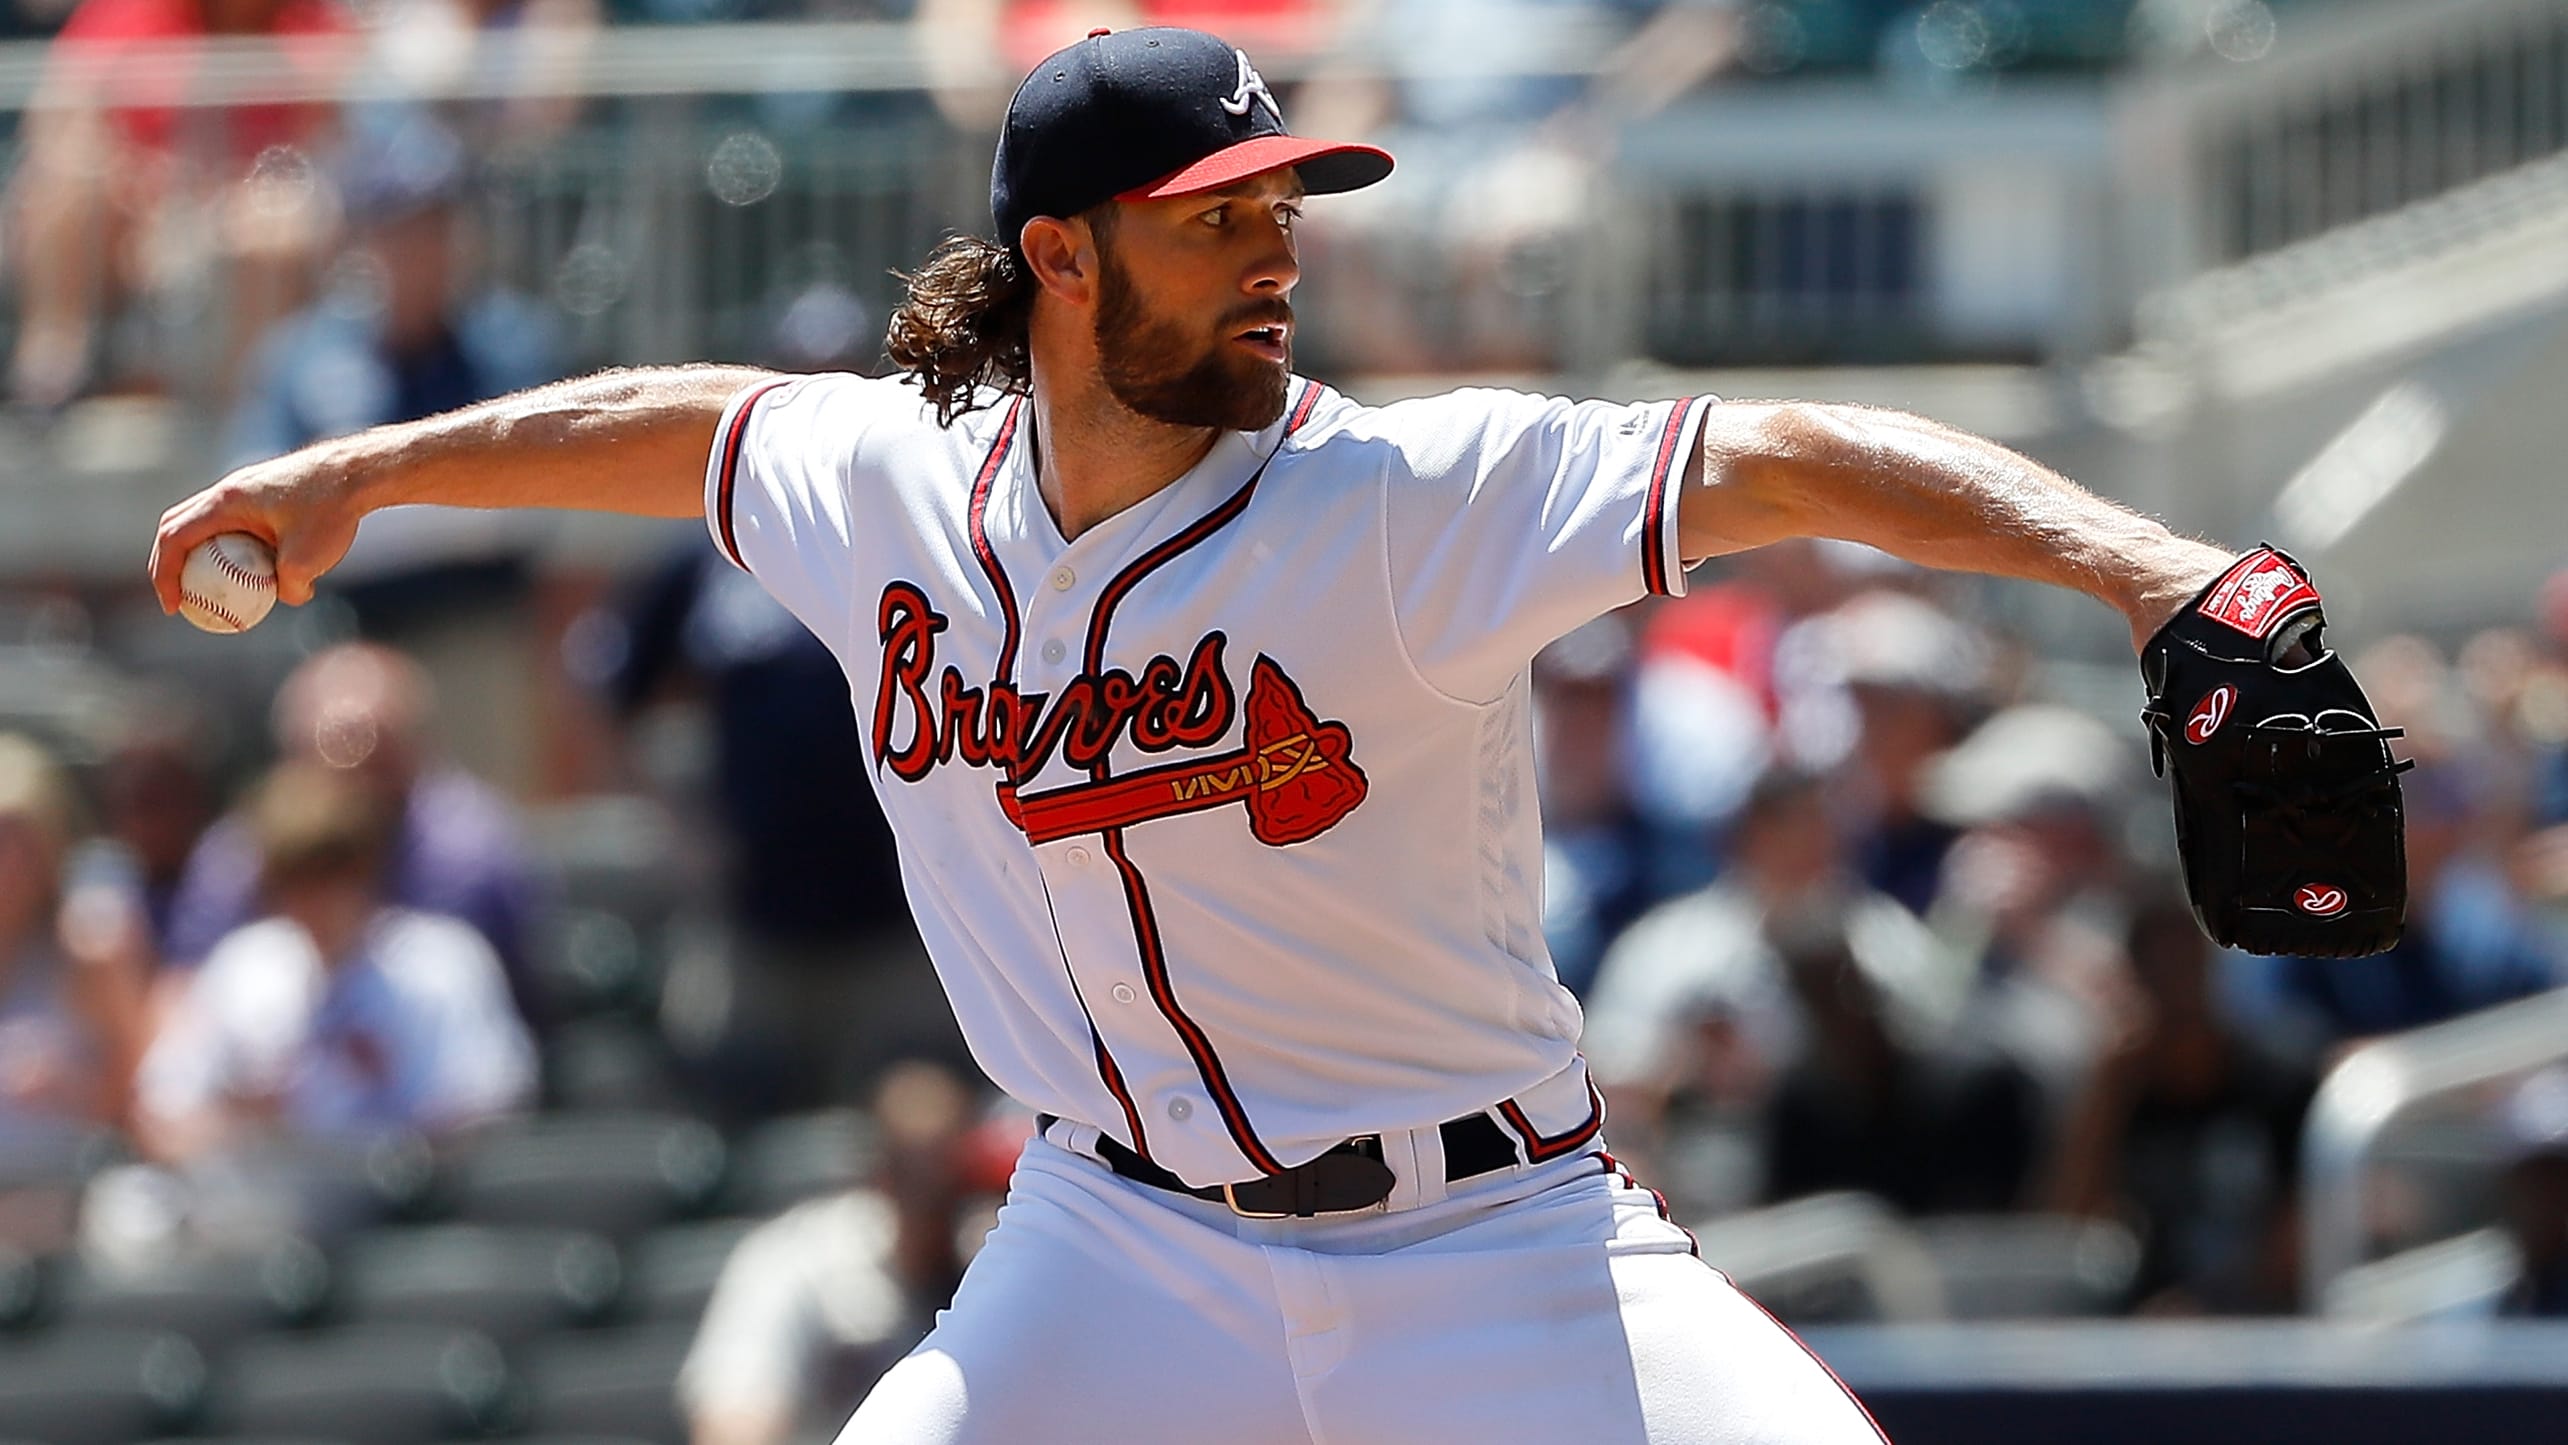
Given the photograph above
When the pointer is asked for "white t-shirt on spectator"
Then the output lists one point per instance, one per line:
(1707, 954)
(416, 1030)
(810, 1284)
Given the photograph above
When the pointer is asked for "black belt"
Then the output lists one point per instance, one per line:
(1349, 1177)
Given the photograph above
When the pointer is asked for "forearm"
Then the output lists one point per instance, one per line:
(1932, 495)
(621, 441)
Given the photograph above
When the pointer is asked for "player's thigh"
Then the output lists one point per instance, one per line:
(1060, 1334)
(1558, 1337)
(1713, 1368)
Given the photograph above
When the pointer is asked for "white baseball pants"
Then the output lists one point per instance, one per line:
(1549, 1305)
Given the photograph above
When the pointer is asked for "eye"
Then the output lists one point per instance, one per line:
(1217, 216)
(1288, 215)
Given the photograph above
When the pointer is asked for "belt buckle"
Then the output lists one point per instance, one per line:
(1230, 1196)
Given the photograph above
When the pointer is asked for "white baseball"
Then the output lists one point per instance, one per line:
(228, 584)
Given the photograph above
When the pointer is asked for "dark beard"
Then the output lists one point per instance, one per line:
(1147, 366)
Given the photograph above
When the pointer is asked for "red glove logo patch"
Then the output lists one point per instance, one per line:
(2320, 900)
(2209, 714)
(2260, 591)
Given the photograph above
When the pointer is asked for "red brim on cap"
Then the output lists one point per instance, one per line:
(1327, 166)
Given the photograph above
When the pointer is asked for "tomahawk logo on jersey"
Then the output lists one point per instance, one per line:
(1162, 789)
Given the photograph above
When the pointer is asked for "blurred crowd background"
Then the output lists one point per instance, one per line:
(481, 1003)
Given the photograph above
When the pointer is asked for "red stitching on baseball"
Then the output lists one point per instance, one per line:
(216, 609)
(237, 572)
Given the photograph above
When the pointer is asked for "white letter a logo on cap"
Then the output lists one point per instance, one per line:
(1250, 85)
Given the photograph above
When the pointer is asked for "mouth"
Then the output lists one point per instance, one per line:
(1270, 341)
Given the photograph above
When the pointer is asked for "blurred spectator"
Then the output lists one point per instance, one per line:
(124, 192)
(342, 1016)
(823, 979)
(1485, 103)
(1595, 847)
(402, 333)
(2471, 939)
(1695, 1012)
(2189, 1132)
(528, 53)
(155, 802)
(453, 846)
(70, 987)
(2036, 889)
(814, 1304)
(1929, 1124)
(2534, 1194)
(975, 51)
(1708, 708)
(1911, 675)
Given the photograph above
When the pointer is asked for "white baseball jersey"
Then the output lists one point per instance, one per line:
(1219, 821)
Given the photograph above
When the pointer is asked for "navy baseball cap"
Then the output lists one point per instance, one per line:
(1139, 114)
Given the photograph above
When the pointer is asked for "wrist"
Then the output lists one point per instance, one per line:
(2157, 579)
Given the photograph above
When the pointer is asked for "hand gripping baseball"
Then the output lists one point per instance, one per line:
(301, 505)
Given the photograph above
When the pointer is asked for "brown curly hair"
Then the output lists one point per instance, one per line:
(963, 322)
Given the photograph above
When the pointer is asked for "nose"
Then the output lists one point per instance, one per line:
(1278, 267)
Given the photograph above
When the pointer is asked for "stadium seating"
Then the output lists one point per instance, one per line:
(212, 1300)
(616, 1174)
(609, 1382)
(99, 1386)
(673, 1270)
(508, 1284)
(783, 1162)
(366, 1385)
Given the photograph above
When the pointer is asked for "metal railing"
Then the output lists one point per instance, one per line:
(2423, 1095)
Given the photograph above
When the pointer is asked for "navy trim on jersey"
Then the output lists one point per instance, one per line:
(1302, 411)
(976, 523)
(1538, 1148)
(1622, 1173)
(1655, 542)
(1145, 920)
(731, 441)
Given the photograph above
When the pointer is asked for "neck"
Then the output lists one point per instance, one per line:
(1095, 457)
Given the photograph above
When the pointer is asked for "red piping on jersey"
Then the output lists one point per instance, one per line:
(1654, 539)
(731, 472)
(1145, 921)
(978, 528)
(1302, 409)
(1538, 1148)
(989, 558)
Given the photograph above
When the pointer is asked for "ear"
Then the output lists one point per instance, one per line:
(1062, 256)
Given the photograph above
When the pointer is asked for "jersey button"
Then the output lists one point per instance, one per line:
(1181, 1108)
(1078, 857)
(1063, 578)
(1124, 994)
(1053, 651)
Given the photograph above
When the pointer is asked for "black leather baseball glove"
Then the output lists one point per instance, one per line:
(2287, 798)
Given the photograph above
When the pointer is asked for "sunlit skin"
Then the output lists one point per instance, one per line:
(1216, 264)
(1217, 269)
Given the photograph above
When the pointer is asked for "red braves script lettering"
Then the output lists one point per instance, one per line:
(1168, 706)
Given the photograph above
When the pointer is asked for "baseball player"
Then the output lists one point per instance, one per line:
(1196, 694)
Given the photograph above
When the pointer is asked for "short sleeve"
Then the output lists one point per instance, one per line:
(778, 488)
(1516, 518)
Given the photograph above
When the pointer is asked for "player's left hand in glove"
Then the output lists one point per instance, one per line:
(2287, 798)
